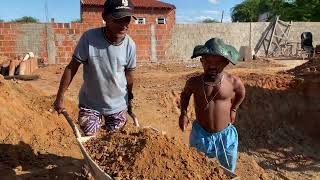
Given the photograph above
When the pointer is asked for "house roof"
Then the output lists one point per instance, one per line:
(136, 3)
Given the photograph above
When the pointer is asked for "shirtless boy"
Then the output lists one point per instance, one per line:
(217, 97)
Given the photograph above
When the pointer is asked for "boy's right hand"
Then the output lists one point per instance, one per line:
(58, 105)
(183, 122)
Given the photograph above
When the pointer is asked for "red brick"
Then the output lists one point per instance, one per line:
(71, 31)
(60, 25)
(66, 25)
(60, 48)
(2, 49)
(7, 25)
(54, 25)
(68, 49)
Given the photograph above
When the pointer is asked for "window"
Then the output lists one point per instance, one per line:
(161, 20)
(141, 20)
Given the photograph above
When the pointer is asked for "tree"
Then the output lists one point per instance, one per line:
(298, 10)
(247, 11)
(208, 20)
(1, 20)
(26, 19)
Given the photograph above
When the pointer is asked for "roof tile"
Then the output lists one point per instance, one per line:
(137, 3)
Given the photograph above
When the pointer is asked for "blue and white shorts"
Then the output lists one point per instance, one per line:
(223, 145)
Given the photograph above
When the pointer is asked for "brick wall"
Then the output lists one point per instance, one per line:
(55, 42)
(66, 36)
(145, 36)
(92, 15)
(151, 34)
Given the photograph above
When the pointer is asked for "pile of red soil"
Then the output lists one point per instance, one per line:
(147, 154)
(33, 138)
(310, 67)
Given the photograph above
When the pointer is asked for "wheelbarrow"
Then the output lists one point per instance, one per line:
(94, 168)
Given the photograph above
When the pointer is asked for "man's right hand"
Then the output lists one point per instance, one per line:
(183, 122)
(58, 105)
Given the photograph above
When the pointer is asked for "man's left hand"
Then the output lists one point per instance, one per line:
(132, 115)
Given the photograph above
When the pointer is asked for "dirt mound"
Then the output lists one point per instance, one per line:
(32, 135)
(267, 81)
(146, 154)
(248, 167)
(265, 63)
(310, 67)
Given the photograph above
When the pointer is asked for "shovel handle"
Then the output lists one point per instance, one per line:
(72, 125)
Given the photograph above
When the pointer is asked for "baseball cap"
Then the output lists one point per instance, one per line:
(119, 8)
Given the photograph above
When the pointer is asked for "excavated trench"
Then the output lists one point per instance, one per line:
(279, 121)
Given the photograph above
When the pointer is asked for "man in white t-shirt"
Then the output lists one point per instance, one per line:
(108, 56)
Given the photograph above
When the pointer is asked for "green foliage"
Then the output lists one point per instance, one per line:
(26, 19)
(247, 11)
(298, 10)
(208, 20)
(1, 20)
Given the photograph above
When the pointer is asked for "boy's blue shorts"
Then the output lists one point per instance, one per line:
(223, 144)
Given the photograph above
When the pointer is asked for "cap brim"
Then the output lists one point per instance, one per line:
(119, 15)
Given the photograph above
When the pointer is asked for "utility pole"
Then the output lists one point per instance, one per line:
(222, 16)
(46, 11)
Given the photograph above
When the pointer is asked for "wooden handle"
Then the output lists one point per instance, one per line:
(73, 126)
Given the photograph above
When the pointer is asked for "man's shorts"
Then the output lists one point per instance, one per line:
(90, 120)
(223, 144)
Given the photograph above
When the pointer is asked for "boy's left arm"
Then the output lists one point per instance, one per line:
(240, 92)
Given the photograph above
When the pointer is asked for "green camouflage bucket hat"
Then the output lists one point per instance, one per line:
(217, 47)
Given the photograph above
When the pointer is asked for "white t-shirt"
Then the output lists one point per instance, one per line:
(105, 86)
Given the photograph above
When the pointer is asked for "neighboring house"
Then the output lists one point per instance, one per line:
(146, 11)
(151, 31)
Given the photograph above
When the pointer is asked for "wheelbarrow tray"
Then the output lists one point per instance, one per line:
(95, 169)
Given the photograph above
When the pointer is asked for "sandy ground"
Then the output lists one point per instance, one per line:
(277, 123)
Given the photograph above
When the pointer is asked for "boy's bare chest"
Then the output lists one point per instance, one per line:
(221, 92)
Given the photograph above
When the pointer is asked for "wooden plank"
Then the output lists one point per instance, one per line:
(263, 38)
(272, 34)
(284, 23)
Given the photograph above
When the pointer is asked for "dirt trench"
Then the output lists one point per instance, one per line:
(278, 124)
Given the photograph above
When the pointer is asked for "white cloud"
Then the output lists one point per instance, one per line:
(193, 16)
(212, 12)
(214, 1)
(203, 17)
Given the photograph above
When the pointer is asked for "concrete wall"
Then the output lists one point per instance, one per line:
(186, 36)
